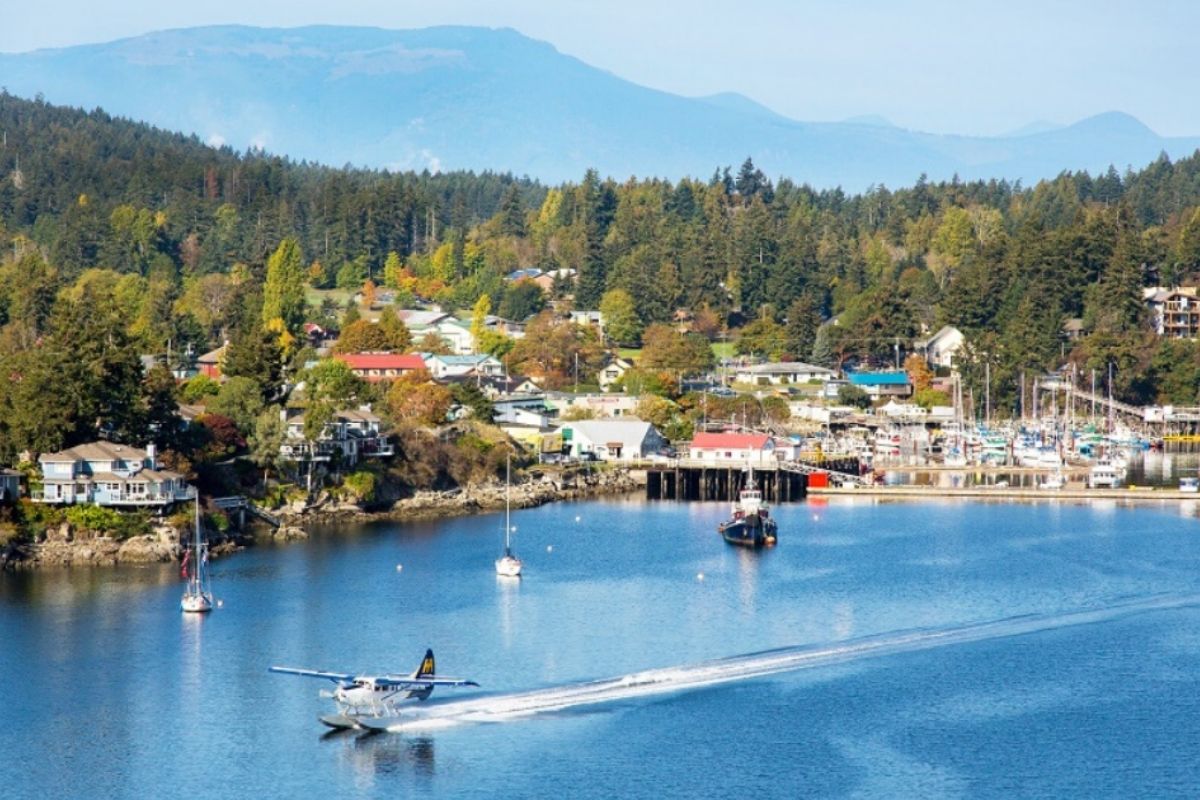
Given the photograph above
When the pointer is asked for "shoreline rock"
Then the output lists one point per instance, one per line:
(63, 547)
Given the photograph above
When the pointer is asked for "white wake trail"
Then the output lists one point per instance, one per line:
(500, 707)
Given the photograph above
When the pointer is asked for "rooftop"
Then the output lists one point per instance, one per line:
(878, 378)
(739, 441)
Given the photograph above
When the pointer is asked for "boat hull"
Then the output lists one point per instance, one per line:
(196, 603)
(750, 531)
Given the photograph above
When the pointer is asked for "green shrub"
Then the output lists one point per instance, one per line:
(360, 485)
(108, 521)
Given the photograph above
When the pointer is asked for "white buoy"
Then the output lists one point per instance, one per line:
(399, 568)
(549, 548)
(699, 576)
(577, 518)
(220, 604)
(816, 518)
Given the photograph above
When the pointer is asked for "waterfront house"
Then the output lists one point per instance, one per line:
(941, 348)
(881, 384)
(776, 374)
(732, 449)
(452, 366)
(375, 367)
(611, 439)
(350, 436)
(109, 474)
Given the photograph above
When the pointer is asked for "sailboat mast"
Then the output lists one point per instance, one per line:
(507, 505)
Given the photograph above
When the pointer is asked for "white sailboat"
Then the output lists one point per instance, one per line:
(508, 565)
(197, 597)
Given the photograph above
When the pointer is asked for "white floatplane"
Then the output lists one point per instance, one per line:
(374, 701)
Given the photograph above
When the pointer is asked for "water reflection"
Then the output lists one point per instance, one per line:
(371, 755)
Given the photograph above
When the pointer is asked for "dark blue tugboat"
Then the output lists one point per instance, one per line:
(751, 525)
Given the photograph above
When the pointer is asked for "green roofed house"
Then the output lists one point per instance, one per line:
(882, 384)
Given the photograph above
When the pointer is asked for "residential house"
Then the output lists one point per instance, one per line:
(588, 318)
(453, 366)
(1073, 329)
(375, 367)
(455, 333)
(611, 439)
(733, 448)
(416, 318)
(881, 384)
(351, 436)
(782, 373)
(546, 280)
(210, 363)
(109, 474)
(941, 348)
(1175, 313)
(527, 274)
(612, 372)
(496, 387)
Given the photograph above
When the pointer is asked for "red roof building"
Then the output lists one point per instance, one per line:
(733, 448)
(376, 367)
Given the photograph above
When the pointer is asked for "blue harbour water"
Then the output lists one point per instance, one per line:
(937, 649)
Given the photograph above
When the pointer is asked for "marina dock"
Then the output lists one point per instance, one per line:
(1130, 494)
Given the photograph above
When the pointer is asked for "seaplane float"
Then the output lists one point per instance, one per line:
(373, 702)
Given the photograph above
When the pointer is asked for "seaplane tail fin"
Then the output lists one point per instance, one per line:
(426, 670)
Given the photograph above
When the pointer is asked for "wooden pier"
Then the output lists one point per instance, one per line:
(693, 481)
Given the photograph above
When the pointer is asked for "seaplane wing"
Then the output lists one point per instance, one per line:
(409, 682)
(336, 677)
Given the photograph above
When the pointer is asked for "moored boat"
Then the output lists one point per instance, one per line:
(751, 524)
(197, 597)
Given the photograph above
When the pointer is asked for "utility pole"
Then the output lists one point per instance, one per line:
(576, 373)
(987, 394)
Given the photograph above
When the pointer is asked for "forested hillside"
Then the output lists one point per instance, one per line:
(111, 228)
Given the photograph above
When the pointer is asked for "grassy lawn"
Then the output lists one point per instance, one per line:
(722, 349)
(316, 296)
(630, 353)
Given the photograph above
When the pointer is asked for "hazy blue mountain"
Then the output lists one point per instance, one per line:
(1037, 126)
(459, 97)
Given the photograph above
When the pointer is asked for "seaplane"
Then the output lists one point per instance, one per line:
(372, 702)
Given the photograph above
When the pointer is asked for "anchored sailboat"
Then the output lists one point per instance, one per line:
(508, 565)
(197, 597)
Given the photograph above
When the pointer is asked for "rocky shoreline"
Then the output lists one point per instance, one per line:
(64, 547)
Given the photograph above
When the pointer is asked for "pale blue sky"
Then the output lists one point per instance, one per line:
(937, 65)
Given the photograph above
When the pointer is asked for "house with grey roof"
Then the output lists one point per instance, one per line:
(112, 475)
(350, 436)
(611, 439)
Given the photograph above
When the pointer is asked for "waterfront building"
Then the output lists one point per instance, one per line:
(109, 474)
(733, 448)
(611, 439)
